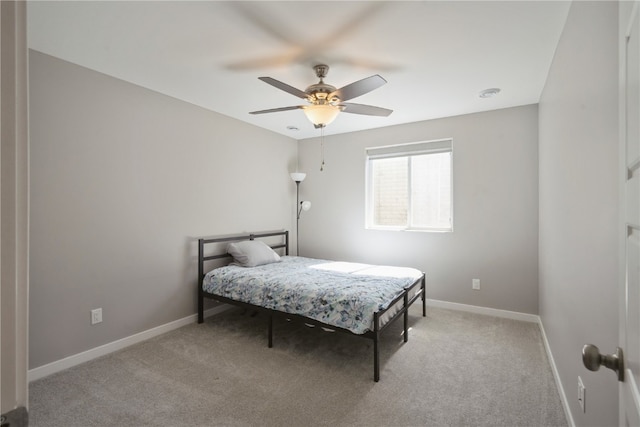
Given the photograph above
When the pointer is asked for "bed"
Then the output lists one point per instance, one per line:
(358, 299)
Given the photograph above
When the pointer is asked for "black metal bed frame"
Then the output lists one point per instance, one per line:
(377, 328)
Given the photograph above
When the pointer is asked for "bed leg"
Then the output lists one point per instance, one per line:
(376, 360)
(376, 350)
(424, 297)
(406, 316)
(270, 331)
(200, 279)
(200, 307)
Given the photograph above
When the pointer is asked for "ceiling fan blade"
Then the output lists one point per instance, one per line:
(285, 87)
(367, 110)
(275, 110)
(358, 88)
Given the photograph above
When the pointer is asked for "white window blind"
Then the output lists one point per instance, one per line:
(409, 186)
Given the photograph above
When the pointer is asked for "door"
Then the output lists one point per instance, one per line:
(629, 302)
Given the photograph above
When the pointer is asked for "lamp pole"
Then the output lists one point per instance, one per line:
(298, 177)
(297, 217)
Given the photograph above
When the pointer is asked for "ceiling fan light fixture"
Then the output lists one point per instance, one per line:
(321, 114)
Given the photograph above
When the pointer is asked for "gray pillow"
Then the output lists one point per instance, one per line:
(250, 253)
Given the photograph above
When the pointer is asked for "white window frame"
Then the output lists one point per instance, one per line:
(404, 150)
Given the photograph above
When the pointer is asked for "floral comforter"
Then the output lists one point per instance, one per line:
(340, 294)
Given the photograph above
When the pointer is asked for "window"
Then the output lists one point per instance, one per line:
(409, 186)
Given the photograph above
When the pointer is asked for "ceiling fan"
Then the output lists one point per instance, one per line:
(325, 101)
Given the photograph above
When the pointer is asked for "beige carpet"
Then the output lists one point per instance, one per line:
(458, 369)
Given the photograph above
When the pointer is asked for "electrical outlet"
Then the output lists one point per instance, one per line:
(96, 316)
(581, 394)
(475, 284)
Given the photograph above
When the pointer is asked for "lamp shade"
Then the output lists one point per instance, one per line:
(305, 206)
(298, 176)
(321, 114)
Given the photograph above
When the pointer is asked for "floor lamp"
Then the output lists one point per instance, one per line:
(298, 177)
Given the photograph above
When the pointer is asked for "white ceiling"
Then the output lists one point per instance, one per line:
(436, 55)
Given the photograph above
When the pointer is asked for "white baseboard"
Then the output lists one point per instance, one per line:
(76, 359)
(556, 376)
(484, 310)
(516, 316)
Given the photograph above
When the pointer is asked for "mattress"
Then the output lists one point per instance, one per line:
(340, 294)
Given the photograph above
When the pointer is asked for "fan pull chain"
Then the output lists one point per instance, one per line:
(322, 148)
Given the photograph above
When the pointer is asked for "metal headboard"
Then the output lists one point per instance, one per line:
(233, 238)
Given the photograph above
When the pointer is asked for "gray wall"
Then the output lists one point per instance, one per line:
(579, 204)
(123, 180)
(495, 222)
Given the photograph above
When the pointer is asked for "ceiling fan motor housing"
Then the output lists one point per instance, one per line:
(319, 92)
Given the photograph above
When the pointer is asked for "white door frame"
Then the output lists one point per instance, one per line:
(14, 211)
(629, 301)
